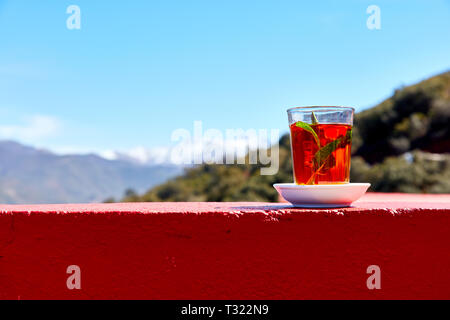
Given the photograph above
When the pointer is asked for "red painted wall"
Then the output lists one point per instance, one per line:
(227, 250)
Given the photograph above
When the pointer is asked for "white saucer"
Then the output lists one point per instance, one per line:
(322, 196)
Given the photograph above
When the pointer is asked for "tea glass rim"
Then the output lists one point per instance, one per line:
(321, 108)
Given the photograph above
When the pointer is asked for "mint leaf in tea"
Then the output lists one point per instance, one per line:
(321, 152)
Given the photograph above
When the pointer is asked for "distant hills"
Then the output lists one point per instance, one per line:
(400, 145)
(29, 175)
(415, 117)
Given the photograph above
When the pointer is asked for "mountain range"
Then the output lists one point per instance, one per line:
(30, 175)
(399, 145)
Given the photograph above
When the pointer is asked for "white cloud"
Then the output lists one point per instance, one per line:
(237, 148)
(139, 154)
(32, 129)
(209, 148)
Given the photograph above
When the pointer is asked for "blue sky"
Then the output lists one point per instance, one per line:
(137, 70)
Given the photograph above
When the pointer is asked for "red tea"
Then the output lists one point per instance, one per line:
(321, 153)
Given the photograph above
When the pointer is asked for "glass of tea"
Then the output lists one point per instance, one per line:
(321, 140)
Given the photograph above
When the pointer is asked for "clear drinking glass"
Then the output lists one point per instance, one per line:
(321, 140)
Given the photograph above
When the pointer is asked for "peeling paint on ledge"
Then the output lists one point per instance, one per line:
(391, 204)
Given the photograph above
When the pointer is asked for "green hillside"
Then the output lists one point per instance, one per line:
(391, 149)
(415, 117)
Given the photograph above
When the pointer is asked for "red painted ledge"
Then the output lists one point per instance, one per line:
(228, 250)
